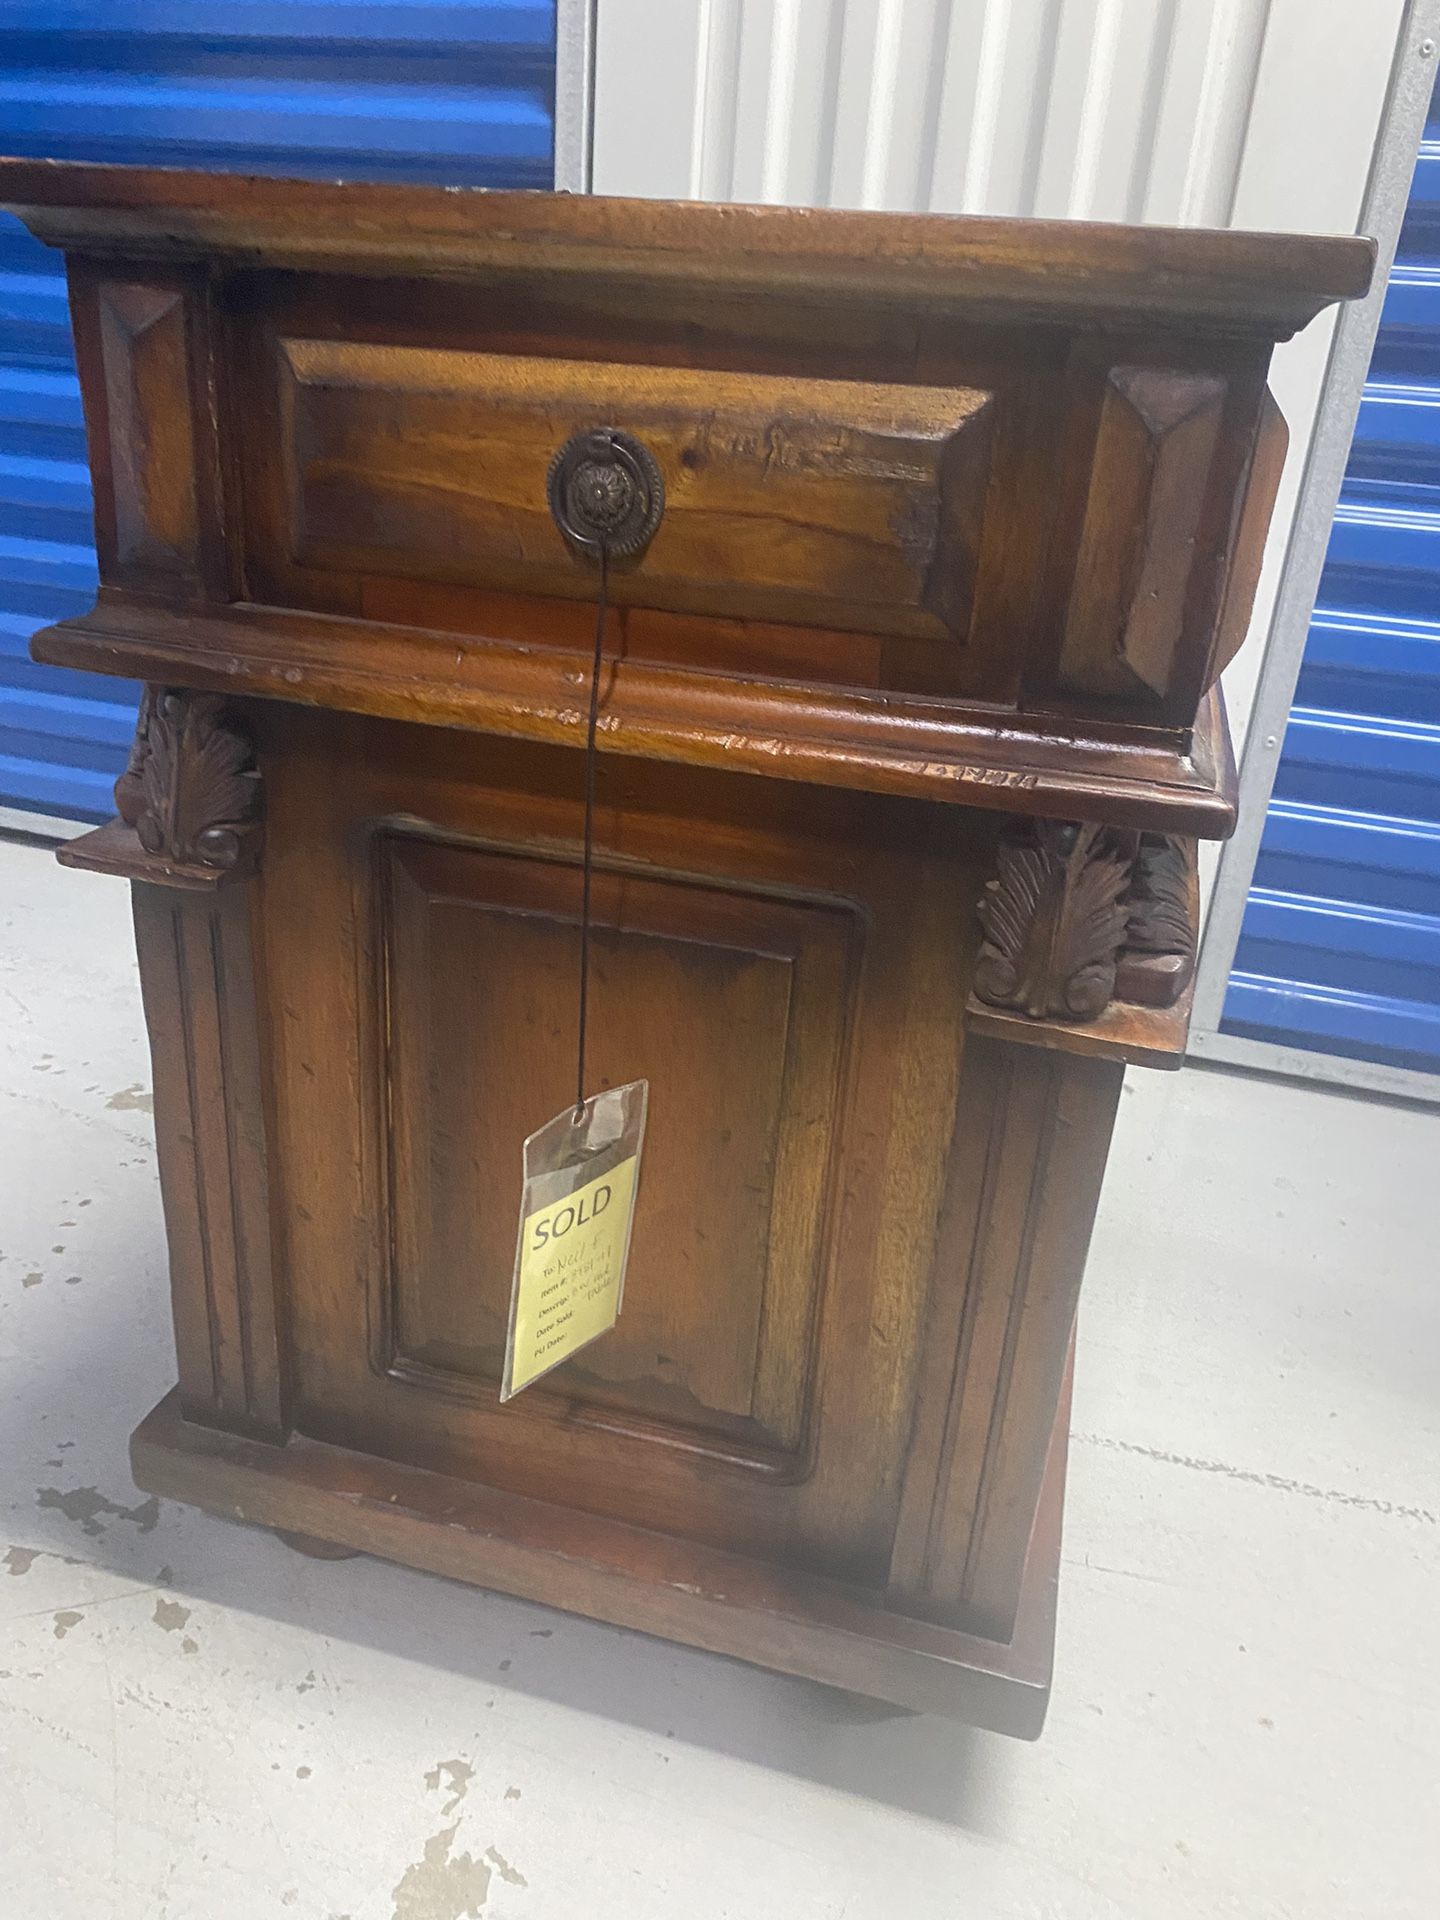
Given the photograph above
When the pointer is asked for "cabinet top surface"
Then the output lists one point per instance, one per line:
(1047, 269)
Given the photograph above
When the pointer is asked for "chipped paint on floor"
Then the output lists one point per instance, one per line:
(198, 1724)
(170, 1616)
(455, 1777)
(131, 1100)
(441, 1884)
(87, 1505)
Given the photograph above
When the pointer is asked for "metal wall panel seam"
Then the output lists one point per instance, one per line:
(574, 93)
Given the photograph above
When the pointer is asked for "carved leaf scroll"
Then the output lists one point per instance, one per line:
(191, 790)
(130, 787)
(1054, 920)
(1078, 915)
(1159, 898)
(1159, 956)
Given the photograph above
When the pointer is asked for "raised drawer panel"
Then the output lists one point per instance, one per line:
(831, 503)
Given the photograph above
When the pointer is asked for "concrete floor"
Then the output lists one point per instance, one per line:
(196, 1724)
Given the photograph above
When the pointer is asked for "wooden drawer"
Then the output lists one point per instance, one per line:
(836, 498)
(829, 503)
(1034, 522)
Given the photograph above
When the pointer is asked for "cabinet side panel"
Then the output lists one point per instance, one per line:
(197, 978)
(1033, 1129)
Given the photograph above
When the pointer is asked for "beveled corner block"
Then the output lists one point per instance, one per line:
(1150, 482)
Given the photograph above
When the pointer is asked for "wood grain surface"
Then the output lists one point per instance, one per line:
(1275, 281)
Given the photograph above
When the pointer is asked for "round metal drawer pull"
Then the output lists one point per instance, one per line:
(606, 492)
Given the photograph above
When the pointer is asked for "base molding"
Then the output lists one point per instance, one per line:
(607, 1570)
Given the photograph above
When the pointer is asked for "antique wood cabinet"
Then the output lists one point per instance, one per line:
(908, 724)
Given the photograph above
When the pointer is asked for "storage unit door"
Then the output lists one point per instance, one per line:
(459, 93)
(1340, 948)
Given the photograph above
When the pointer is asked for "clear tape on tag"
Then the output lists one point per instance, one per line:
(582, 1173)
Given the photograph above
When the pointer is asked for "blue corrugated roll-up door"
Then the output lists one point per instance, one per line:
(1339, 951)
(357, 89)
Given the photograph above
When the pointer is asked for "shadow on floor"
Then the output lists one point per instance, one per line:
(114, 1367)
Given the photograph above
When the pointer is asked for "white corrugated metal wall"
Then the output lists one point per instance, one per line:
(1106, 109)
(1250, 113)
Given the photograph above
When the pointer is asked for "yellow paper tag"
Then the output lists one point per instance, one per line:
(569, 1274)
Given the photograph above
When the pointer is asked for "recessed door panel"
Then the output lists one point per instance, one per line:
(732, 1007)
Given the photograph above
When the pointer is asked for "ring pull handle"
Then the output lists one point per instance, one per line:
(606, 493)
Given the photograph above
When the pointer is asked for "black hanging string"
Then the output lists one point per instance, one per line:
(600, 607)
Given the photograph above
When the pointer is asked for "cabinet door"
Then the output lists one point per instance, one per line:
(787, 968)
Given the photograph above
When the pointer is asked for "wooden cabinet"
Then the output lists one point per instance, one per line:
(907, 728)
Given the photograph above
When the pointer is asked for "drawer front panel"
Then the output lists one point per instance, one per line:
(831, 503)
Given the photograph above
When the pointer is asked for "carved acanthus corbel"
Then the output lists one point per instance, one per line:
(190, 789)
(129, 792)
(1159, 955)
(189, 799)
(1079, 915)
